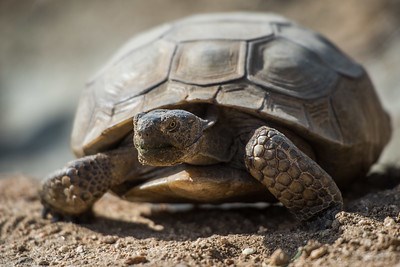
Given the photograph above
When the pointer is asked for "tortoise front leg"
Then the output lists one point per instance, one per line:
(290, 175)
(72, 191)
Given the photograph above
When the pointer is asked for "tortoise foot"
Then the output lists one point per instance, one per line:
(73, 190)
(290, 175)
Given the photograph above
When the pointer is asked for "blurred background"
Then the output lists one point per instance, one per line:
(49, 49)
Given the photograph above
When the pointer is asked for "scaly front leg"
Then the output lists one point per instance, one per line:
(291, 176)
(71, 192)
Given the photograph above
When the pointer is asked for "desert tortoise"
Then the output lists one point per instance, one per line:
(225, 107)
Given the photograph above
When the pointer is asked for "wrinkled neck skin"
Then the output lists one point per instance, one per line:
(216, 145)
(225, 142)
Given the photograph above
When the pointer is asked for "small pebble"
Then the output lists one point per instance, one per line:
(109, 239)
(158, 227)
(389, 221)
(318, 253)
(225, 241)
(135, 260)
(79, 249)
(340, 241)
(63, 249)
(248, 251)
(44, 263)
(118, 245)
(362, 222)
(279, 257)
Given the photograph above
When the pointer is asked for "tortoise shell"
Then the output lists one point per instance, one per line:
(262, 64)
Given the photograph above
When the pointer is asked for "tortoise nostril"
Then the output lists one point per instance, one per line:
(139, 115)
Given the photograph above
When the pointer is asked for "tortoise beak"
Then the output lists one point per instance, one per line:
(147, 133)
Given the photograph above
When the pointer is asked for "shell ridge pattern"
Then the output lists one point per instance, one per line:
(131, 78)
(337, 122)
(99, 118)
(144, 92)
(266, 103)
(301, 73)
(315, 42)
(322, 118)
(125, 51)
(204, 62)
(306, 48)
(92, 114)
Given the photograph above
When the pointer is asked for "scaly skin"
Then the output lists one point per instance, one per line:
(290, 175)
(71, 192)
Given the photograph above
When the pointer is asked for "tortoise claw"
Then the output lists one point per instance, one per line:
(56, 216)
(323, 220)
(45, 212)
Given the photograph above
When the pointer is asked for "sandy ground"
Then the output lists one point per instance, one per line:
(367, 233)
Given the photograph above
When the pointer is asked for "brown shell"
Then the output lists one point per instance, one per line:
(262, 64)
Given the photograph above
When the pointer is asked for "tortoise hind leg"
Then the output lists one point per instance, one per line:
(70, 192)
(291, 176)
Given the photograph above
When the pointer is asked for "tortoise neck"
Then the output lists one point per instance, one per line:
(215, 146)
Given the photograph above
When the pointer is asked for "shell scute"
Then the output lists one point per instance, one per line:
(327, 51)
(241, 95)
(138, 72)
(209, 62)
(285, 67)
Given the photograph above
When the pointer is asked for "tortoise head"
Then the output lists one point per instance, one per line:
(166, 137)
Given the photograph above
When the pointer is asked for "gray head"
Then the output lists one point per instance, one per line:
(166, 137)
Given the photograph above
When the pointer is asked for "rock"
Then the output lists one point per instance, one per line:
(135, 260)
(389, 221)
(278, 258)
(318, 253)
(310, 246)
(63, 249)
(248, 251)
(109, 239)
(80, 249)
(158, 227)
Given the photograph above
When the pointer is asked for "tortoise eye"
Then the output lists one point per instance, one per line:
(172, 126)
